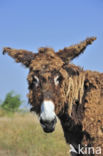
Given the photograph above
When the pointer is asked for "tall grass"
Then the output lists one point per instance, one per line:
(22, 135)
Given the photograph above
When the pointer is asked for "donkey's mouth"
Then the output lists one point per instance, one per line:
(48, 130)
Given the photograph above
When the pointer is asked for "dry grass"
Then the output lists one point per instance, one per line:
(21, 135)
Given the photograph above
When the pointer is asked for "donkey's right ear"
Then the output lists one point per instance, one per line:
(23, 56)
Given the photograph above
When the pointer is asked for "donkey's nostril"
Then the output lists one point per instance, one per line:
(54, 121)
(46, 122)
(42, 121)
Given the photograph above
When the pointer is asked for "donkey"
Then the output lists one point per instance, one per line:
(60, 89)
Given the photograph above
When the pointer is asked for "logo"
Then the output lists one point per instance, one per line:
(72, 149)
(85, 150)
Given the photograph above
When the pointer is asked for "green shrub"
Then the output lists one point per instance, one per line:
(12, 102)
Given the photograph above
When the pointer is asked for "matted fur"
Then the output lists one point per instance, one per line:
(78, 98)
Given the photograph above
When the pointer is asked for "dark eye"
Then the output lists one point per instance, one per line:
(36, 80)
(58, 79)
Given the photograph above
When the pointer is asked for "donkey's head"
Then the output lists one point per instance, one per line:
(46, 79)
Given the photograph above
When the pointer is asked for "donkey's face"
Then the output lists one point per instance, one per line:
(45, 96)
(47, 78)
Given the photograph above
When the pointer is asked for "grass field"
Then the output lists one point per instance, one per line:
(22, 135)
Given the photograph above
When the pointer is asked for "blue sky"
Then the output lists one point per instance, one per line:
(30, 24)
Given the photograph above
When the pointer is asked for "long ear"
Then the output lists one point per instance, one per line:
(69, 53)
(23, 56)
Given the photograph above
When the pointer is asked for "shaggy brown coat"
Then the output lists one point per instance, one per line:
(78, 98)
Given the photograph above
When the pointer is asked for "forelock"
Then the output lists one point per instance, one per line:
(46, 60)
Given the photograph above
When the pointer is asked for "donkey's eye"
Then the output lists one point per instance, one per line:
(36, 80)
(57, 80)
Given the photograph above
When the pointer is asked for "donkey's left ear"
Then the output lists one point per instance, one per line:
(69, 53)
(23, 56)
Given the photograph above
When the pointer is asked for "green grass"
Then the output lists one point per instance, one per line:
(22, 135)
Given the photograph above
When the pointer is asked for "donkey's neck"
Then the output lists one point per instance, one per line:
(72, 115)
(72, 131)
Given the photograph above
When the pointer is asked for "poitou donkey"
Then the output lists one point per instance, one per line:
(60, 89)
